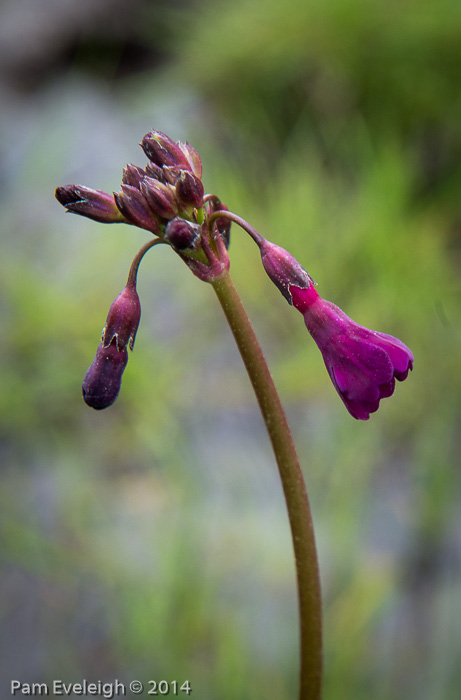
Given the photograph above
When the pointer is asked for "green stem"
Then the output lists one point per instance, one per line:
(302, 530)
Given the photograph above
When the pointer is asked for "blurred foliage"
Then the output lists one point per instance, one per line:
(151, 540)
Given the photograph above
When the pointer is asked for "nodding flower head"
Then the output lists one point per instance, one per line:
(363, 364)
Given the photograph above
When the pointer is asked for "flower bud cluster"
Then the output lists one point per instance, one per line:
(166, 198)
(169, 186)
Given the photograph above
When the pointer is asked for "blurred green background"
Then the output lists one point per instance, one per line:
(151, 540)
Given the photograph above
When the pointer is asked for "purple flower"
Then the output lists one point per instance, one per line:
(363, 364)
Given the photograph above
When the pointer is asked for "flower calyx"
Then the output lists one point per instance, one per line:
(123, 319)
(283, 269)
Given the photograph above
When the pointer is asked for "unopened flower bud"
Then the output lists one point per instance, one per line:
(104, 376)
(189, 190)
(123, 319)
(132, 175)
(170, 173)
(182, 234)
(283, 269)
(135, 208)
(192, 157)
(155, 171)
(94, 204)
(160, 197)
(162, 150)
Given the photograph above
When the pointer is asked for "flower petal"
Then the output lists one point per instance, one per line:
(386, 390)
(401, 356)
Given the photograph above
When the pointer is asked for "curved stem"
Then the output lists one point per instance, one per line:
(302, 531)
(224, 214)
(133, 273)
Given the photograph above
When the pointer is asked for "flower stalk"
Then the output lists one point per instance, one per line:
(167, 199)
(302, 530)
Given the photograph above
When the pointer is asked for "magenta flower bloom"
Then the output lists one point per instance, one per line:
(363, 364)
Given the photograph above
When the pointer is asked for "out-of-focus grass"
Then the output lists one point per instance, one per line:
(151, 540)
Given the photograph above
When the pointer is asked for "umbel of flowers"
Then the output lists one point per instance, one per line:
(167, 198)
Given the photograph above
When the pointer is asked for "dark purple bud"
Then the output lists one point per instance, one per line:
(162, 150)
(104, 376)
(182, 234)
(123, 319)
(155, 171)
(132, 175)
(135, 208)
(171, 173)
(160, 197)
(189, 190)
(192, 157)
(94, 204)
(283, 269)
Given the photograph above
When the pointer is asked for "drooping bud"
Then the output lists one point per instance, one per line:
(132, 175)
(134, 207)
(160, 197)
(103, 377)
(189, 190)
(283, 269)
(192, 157)
(94, 204)
(123, 319)
(162, 150)
(182, 234)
